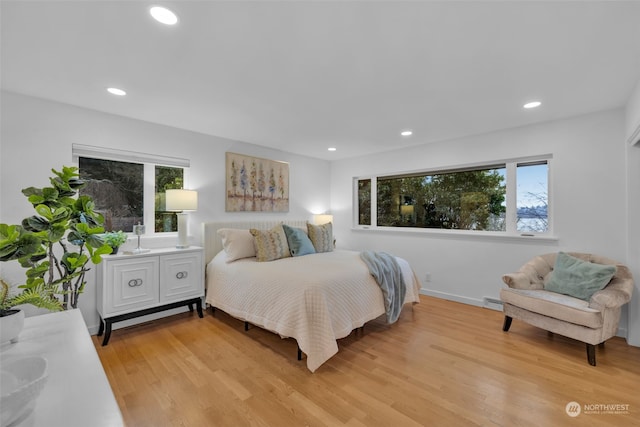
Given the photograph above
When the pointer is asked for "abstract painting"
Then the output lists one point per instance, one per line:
(256, 185)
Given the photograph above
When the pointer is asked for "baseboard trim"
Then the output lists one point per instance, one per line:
(452, 297)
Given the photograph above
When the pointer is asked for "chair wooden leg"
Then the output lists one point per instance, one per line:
(591, 354)
(507, 323)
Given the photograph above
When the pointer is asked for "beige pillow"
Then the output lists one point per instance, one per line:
(270, 244)
(237, 243)
(321, 236)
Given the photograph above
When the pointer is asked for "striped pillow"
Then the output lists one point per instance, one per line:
(321, 236)
(270, 244)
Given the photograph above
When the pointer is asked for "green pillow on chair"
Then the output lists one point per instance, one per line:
(577, 278)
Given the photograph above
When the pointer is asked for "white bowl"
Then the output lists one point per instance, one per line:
(21, 383)
(11, 326)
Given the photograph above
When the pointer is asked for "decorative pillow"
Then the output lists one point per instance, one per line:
(299, 243)
(578, 278)
(237, 243)
(270, 244)
(321, 236)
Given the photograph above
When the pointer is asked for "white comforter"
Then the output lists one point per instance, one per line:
(315, 299)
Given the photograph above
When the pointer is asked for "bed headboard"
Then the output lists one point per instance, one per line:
(213, 244)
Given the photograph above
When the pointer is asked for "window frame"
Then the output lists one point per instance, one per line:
(511, 214)
(149, 162)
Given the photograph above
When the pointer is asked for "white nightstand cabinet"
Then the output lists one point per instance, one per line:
(131, 286)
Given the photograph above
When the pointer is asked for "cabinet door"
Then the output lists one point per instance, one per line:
(131, 284)
(181, 276)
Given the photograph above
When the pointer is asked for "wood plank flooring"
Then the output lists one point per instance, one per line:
(442, 364)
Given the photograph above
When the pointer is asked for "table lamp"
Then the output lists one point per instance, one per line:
(320, 219)
(180, 201)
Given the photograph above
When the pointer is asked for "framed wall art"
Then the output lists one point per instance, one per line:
(256, 185)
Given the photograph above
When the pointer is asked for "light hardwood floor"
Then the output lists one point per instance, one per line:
(442, 364)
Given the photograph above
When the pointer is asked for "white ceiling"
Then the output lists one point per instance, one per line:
(301, 76)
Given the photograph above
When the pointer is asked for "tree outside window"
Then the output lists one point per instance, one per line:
(364, 202)
(117, 190)
(467, 200)
(167, 178)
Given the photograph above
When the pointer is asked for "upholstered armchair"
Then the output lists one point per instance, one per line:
(590, 315)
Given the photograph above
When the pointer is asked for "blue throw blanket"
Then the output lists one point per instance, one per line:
(385, 269)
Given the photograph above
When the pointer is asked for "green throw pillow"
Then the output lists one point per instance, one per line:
(299, 243)
(578, 278)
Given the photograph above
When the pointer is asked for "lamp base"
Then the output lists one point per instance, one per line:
(183, 241)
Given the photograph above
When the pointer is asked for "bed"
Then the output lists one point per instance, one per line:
(315, 299)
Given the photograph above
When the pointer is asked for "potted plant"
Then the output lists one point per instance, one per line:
(114, 239)
(12, 318)
(56, 244)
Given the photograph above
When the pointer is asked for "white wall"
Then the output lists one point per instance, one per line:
(588, 189)
(37, 135)
(633, 197)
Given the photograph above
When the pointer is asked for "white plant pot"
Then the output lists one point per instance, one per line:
(11, 326)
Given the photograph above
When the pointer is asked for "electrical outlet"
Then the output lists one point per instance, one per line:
(427, 277)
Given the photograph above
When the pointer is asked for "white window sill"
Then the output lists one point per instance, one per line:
(461, 234)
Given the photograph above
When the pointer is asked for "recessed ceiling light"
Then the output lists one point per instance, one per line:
(163, 15)
(116, 91)
(332, 148)
(406, 133)
(532, 104)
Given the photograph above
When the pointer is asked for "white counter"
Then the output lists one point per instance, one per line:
(77, 393)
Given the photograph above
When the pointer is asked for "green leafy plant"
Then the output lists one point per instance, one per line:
(114, 238)
(40, 298)
(56, 244)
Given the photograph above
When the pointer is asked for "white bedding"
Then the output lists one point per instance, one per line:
(315, 299)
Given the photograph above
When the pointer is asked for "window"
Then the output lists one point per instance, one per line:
(470, 198)
(116, 189)
(364, 202)
(532, 197)
(167, 178)
(122, 184)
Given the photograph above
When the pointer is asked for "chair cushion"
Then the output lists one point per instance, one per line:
(578, 278)
(558, 306)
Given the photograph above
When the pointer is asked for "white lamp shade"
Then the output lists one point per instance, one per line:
(322, 219)
(182, 200)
